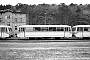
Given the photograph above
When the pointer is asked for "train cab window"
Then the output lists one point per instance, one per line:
(37, 28)
(79, 28)
(52, 28)
(44, 28)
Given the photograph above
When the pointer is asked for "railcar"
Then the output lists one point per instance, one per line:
(81, 31)
(44, 31)
(4, 31)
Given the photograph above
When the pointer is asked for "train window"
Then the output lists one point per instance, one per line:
(86, 28)
(3, 29)
(10, 29)
(79, 28)
(52, 28)
(73, 29)
(61, 29)
(19, 29)
(29, 29)
(58, 28)
(44, 28)
(66, 28)
(89, 29)
(69, 29)
(37, 28)
(23, 29)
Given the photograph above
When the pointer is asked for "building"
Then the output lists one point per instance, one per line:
(13, 19)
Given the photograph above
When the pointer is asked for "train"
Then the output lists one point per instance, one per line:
(47, 31)
(4, 31)
(81, 31)
(54, 31)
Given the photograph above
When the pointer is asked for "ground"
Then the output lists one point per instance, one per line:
(31, 50)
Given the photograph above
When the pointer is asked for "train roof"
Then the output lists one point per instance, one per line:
(45, 26)
(82, 26)
(4, 26)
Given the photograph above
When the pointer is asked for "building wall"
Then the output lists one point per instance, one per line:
(18, 19)
(13, 19)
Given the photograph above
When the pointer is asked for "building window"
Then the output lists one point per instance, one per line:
(8, 17)
(8, 24)
(15, 19)
(20, 19)
(0, 13)
(0, 19)
(15, 27)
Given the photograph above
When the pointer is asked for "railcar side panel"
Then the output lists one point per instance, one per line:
(68, 34)
(86, 34)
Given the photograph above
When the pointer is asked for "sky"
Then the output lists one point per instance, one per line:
(67, 2)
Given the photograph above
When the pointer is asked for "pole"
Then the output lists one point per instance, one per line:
(45, 18)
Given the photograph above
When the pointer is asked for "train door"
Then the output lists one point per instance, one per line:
(79, 32)
(0, 32)
(21, 32)
(68, 32)
(3, 31)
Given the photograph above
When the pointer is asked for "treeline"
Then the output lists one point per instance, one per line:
(72, 14)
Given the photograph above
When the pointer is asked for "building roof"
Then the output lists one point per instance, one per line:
(8, 10)
(45, 26)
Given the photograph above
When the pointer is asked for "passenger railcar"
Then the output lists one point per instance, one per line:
(81, 31)
(4, 31)
(42, 31)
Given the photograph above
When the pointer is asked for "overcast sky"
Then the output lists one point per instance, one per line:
(67, 2)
